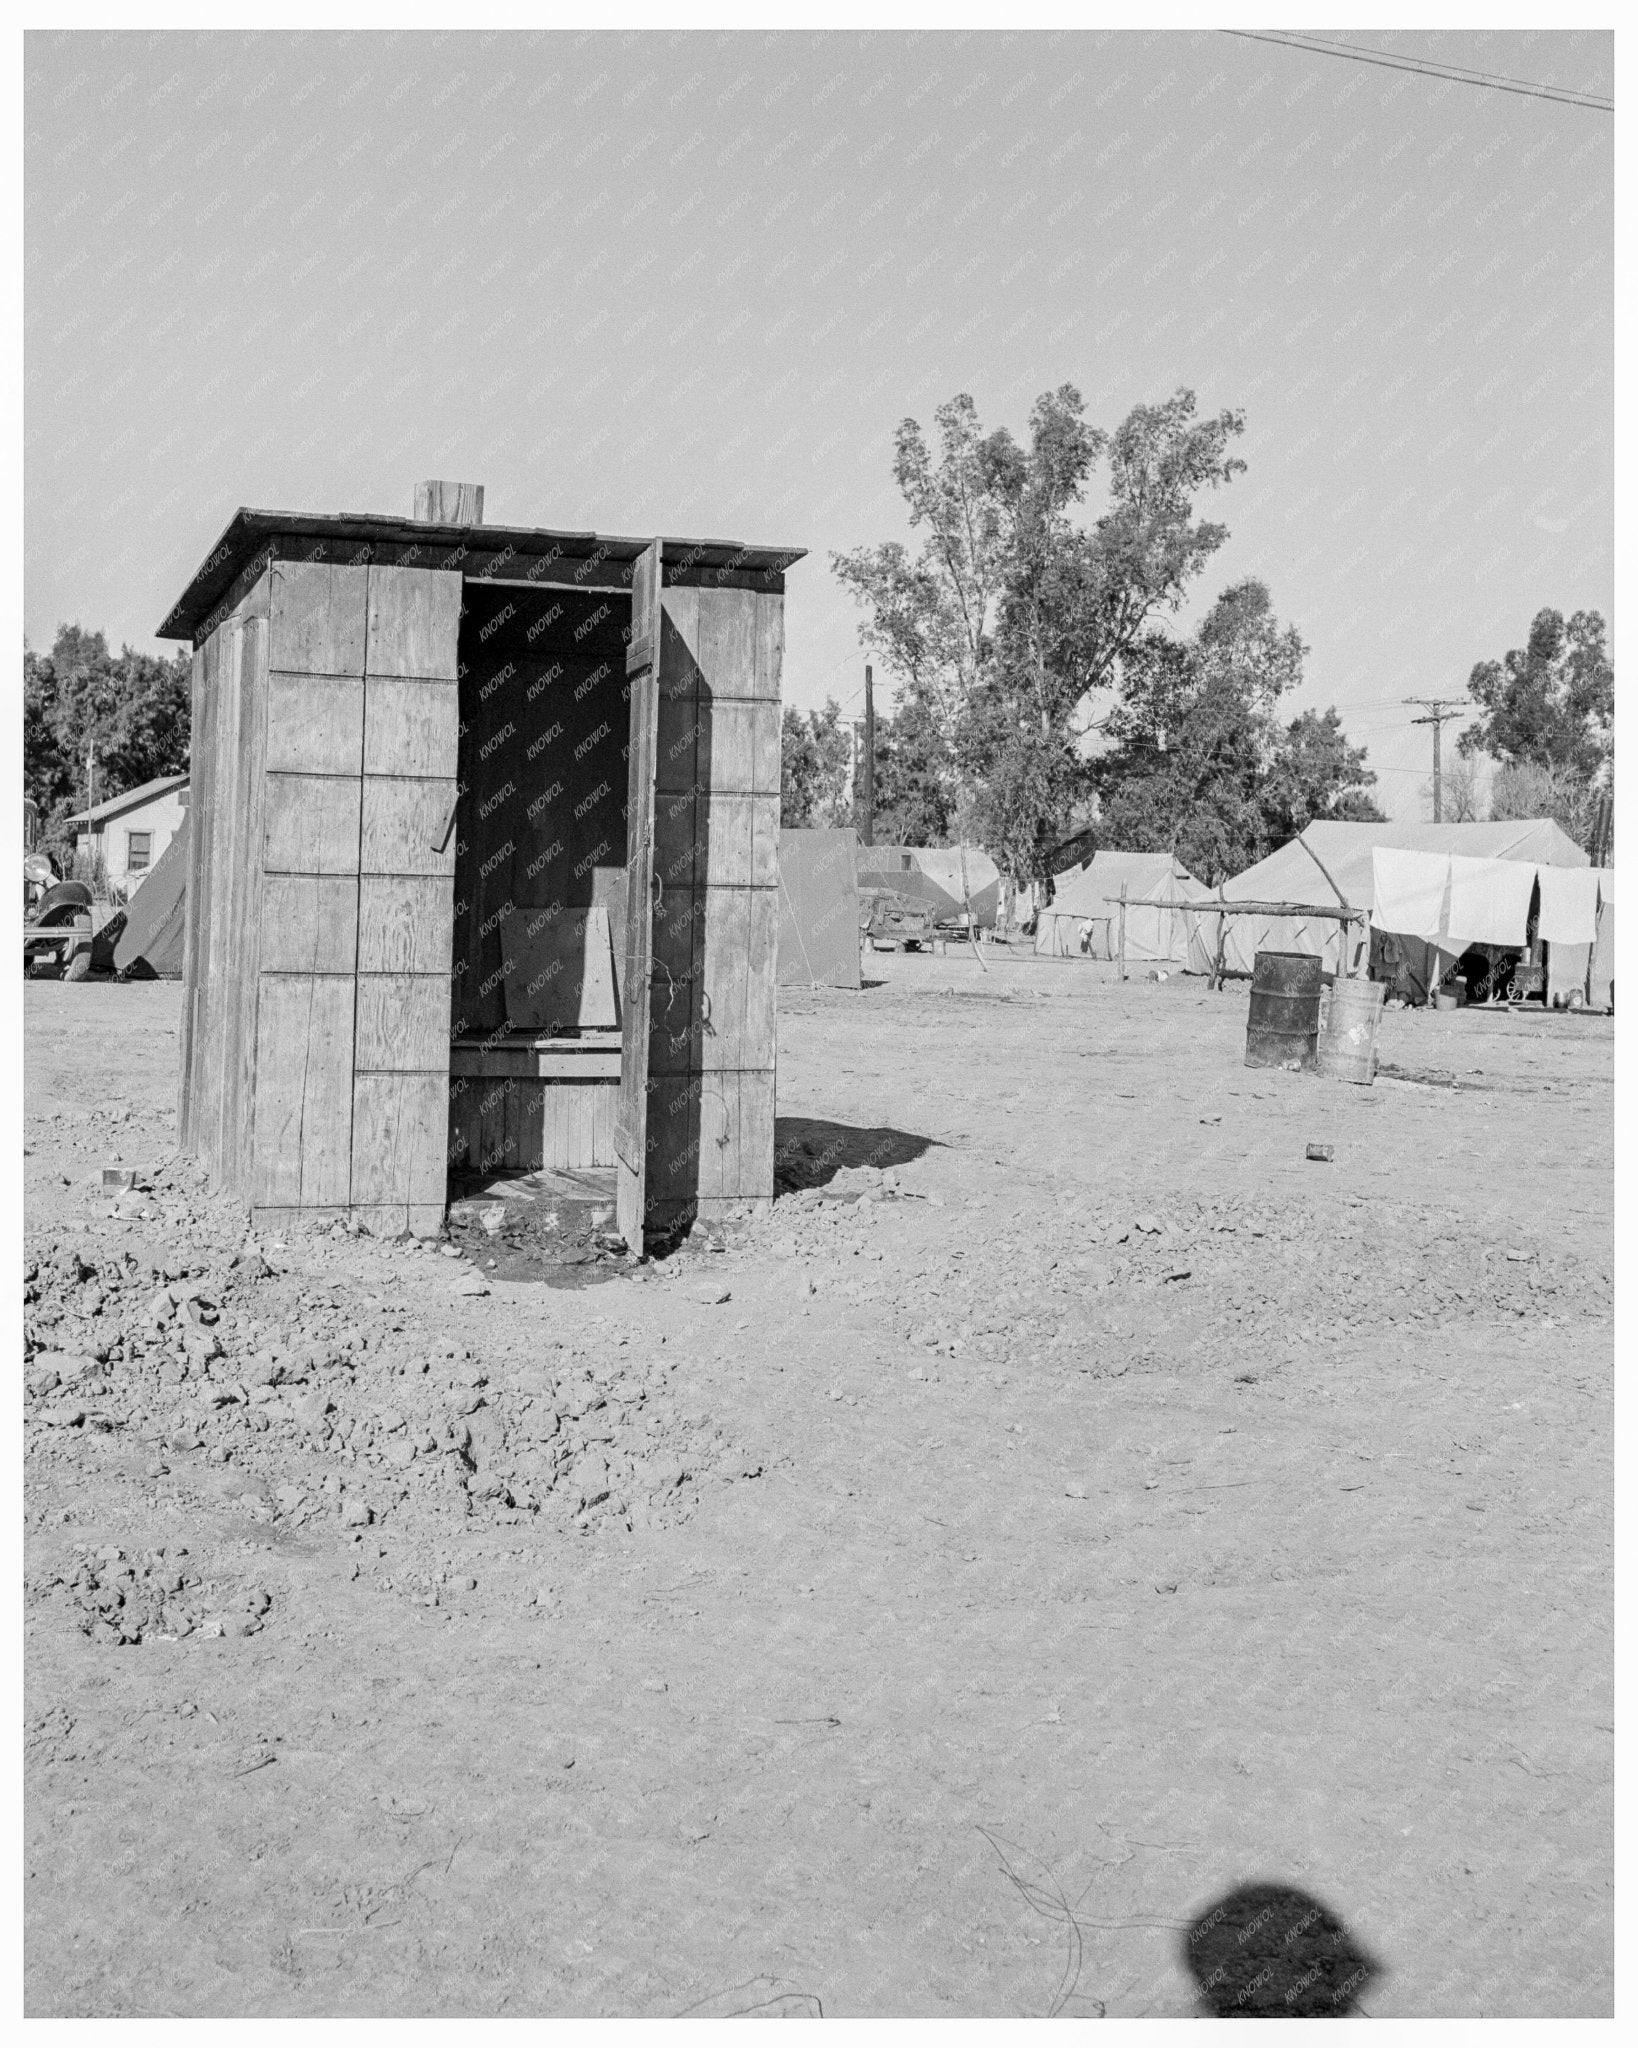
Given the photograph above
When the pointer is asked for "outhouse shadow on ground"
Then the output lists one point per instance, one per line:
(1271, 1951)
(810, 1151)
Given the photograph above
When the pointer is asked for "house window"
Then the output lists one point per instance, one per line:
(138, 849)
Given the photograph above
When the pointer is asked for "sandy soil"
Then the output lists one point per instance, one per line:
(1079, 1504)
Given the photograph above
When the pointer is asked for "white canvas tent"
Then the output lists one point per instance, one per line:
(1293, 875)
(1083, 917)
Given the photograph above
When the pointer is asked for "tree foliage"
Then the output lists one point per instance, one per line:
(1550, 702)
(913, 783)
(134, 708)
(1461, 792)
(1201, 764)
(1542, 789)
(914, 802)
(1015, 609)
(813, 761)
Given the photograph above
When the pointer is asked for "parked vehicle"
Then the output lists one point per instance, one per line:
(67, 932)
(893, 922)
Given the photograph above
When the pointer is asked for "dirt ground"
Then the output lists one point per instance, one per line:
(1070, 1502)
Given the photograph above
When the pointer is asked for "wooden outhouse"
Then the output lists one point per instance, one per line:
(484, 863)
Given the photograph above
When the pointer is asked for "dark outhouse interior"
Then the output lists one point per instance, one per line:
(540, 879)
(483, 872)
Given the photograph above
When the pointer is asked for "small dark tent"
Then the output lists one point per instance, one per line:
(819, 908)
(151, 943)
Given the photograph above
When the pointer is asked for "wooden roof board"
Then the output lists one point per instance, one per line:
(523, 554)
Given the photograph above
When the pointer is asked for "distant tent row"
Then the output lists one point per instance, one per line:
(1084, 915)
(1330, 859)
(1293, 874)
(818, 902)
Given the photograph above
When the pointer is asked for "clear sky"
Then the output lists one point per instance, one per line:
(690, 284)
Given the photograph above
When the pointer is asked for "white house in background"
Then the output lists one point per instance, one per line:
(133, 830)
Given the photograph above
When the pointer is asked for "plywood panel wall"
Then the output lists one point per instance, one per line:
(309, 858)
(716, 808)
(221, 937)
(406, 864)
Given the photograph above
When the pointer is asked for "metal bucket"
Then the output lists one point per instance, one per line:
(1285, 1000)
(1347, 1047)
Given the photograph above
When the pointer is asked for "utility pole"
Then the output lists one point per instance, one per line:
(867, 820)
(1438, 709)
(91, 772)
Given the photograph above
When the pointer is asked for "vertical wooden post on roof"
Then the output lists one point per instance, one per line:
(446, 504)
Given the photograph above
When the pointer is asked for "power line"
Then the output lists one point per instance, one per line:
(1357, 53)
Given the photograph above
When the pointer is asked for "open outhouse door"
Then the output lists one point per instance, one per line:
(631, 1117)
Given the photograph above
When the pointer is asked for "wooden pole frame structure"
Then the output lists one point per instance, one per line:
(1345, 914)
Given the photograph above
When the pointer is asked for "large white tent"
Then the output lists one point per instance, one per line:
(1084, 914)
(1331, 852)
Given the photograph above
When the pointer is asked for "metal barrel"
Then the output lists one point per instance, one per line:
(1285, 1000)
(1347, 1047)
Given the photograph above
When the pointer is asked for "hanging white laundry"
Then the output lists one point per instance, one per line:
(1606, 884)
(1409, 891)
(1569, 906)
(1489, 901)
